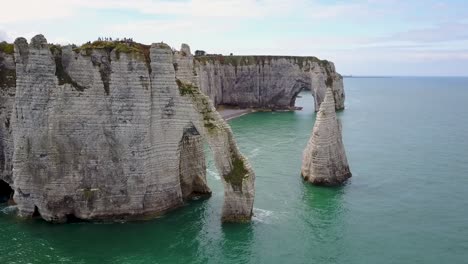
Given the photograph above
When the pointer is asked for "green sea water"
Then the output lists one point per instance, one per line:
(407, 202)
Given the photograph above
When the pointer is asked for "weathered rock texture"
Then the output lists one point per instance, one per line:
(7, 98)
(271, 82)
(112, 131)
(324, 159)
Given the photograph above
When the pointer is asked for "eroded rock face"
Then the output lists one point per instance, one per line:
(324, 160)
(271, 82)
(7, 98)
(116, 133)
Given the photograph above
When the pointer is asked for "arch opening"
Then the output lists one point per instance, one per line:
(299, 87)
(192, 165)
(72, 218)
(6, 192)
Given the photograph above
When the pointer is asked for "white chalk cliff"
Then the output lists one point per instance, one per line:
(267, 82)
(114, 132)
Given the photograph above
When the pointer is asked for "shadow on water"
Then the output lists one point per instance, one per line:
(171, 238)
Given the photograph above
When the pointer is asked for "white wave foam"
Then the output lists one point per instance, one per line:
(213, 174)
(9, 209)
(262, 215)
(254, 152)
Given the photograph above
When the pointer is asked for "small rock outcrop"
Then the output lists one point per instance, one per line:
(324, 160)
(267, 82)
(112, 130)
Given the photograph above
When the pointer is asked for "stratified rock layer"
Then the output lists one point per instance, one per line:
(114, 132)
(7, 99)
(270, 82)
(324, 159)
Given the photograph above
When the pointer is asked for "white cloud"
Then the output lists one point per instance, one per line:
(292, 27)
(441, 33)
(10, 36)
(26, 11)
(59, 9)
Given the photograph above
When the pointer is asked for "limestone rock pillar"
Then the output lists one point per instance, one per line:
(324, 159)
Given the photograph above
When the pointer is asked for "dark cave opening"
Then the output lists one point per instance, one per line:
(36, 212)
(71, 218)
(6, 192)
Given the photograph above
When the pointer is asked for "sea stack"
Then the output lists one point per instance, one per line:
(324, 160)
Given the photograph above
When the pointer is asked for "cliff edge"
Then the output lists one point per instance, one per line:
(111, 130)
(267, 82)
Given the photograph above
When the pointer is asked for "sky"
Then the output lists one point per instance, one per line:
(362, 37)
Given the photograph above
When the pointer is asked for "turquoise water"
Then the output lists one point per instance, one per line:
(407, 145)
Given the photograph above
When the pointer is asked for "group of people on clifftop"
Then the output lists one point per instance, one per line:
(109, 39)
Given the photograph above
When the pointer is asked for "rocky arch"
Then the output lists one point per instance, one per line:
(119, 156)
(236, 173)
(266, 82)
(298, 87)
(235, 170)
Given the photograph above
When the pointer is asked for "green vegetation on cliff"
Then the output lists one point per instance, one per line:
(203, 106)
(7, 48)
(186, 88)
(7, 78)
(256, 60)
(140, 51)
(239, 61)
(201, 102)
(329, 80)
(128, 47)
(238, 172)
(62, 76)
(88, 194)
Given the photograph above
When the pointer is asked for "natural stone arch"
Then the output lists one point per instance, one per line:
(298, 87)
(122, 160)
(236, 173)
(266, 82)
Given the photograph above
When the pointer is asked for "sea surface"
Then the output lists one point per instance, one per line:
(407, 202)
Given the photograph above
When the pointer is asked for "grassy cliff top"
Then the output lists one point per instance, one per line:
(118, 46)
(254, 60)
(7, 48)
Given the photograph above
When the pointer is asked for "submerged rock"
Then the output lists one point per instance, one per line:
(112, 130)
(324, 159)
